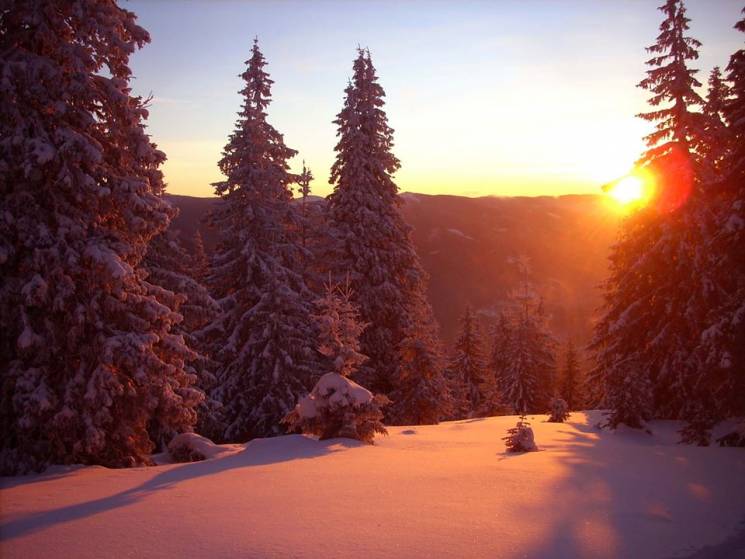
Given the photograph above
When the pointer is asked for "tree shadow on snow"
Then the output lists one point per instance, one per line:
(621, 492)
(259, 452)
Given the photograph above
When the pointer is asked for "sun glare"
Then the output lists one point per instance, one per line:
(628, 189)
(633, 190)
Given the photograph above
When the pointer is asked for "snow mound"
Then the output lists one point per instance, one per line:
(333, 391)
(190, 447)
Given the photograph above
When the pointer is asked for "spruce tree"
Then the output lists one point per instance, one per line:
(370, 240)
(337, 406)
(170, 266)
(656, 293)
(722, 347)
(422, 396)
(199, 262)
(717, 142)
(88, 357)
(467, 371)
(264, 341)
(498, 362)
(528, 381)
(570, 378)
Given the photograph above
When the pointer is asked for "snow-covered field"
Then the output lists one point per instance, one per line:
(434, 491)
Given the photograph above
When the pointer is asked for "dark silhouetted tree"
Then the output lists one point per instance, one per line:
(88, 356)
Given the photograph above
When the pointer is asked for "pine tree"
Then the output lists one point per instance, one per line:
(87, 354)
(467, 371)
(717, 137)
(558, 410)
(422, 396)
(570, 378)
(170, 266)
(677, 128)
(520, 438)
(528, 381)
(722, 348)
(657, 290)
(337, 406)
(200, 264)
(264, 342)
(370, 239)
(498, 361)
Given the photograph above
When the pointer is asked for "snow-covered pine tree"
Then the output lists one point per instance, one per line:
(264, 341)
(370, 239)
(337, 406)
(558, 410)
(569, 384)
(717, 141)
(170, 266)
(467, 371)
(520, 438)
(657, 290)
(528, 381)
(497, 366)
(722, 347)
(422, 396)
(87, 354)
(200, 264)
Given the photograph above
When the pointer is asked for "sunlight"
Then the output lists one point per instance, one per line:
(629, 189)
(632, 190)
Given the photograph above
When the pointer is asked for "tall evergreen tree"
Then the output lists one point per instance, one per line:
(87, 354)
(170, 266)
(422, 396)
(717, 137)
(528, 381)
(723, 340)
(264, 342)
(657, 289)
(467, 371)
(370, 239)
(498, 361)
(569, 384)
(200, 264)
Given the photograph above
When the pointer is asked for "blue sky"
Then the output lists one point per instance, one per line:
(487, 98)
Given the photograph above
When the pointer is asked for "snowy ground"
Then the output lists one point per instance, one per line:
(435, 491)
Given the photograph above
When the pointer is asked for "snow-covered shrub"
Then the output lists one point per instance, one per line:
(339, 407)
(559, 410)
(520, 438)
(190, 447)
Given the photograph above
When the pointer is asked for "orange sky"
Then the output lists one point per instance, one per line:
(500, 98)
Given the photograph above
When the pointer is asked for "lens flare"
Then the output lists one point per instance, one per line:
(629, 189)
(632, 191)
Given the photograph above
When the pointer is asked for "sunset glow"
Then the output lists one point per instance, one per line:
(633, 190)
(628, 190)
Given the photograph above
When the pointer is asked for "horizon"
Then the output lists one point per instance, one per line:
(571, 82)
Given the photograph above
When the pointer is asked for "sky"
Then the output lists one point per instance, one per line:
(500, 97)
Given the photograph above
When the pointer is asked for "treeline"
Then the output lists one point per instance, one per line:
(671, 341)
(115, 338)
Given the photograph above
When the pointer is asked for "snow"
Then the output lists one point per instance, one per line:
(199, 445)
(449, 490)
(459, 233)
(336, 391)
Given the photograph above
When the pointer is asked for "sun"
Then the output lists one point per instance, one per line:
(633, 190)
(628, 190)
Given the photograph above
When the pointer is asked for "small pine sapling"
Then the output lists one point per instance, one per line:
(337, 406)
(559, 410)
(520, 438)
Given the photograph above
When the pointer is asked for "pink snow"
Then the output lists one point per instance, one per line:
(336, 391)
(440, 491)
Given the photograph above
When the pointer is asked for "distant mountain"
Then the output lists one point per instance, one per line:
(470, 247)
